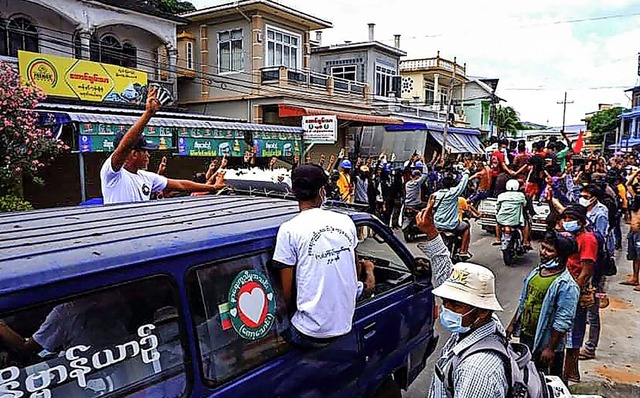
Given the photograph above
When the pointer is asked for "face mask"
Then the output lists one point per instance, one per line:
(452, 321)
(585, 202)
(571, 226)
(549, 263)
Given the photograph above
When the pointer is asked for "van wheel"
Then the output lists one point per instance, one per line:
(389, 389)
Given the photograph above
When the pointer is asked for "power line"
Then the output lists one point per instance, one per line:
(527, 26)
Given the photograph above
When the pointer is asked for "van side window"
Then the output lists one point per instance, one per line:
(123, 340)
(390, 271)
(236, 308)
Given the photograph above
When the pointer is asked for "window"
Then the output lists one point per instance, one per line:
(390, 271)
(189, 55)
(77, 46)
(109, 50)
(20, 34)
(235, 306)
(444, 98)
(230, 51)
(109, 342)
(344, 72)
(429, 94)
(283, 49)
(383, 80)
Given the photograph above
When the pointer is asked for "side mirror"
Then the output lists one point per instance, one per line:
(422, 269)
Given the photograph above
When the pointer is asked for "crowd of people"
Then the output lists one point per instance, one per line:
(588, 197)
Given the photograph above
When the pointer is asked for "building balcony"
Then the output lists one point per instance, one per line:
(314, 82)
(433, 64)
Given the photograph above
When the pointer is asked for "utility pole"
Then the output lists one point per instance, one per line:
(564, 110)
(445, 131)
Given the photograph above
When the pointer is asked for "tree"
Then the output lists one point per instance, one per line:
(604, 123)
(175, 6)
(506, 120)
(25, 148)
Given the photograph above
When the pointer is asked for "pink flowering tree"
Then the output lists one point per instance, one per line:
(25, 148)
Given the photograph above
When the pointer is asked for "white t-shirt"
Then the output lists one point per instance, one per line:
(124, 187)
(321, 245)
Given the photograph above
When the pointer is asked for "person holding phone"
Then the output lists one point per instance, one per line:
(124, 176)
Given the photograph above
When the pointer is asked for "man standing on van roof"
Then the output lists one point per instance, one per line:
(468, 301)
(124, 176)
(315, 252)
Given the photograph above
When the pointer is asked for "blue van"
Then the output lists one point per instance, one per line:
(176, 298)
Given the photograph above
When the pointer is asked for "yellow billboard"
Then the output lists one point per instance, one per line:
(81, 79)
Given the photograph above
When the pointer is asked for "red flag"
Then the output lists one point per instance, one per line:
(577, 147)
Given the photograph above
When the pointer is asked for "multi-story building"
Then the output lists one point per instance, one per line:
(253, 60)
(479, 97)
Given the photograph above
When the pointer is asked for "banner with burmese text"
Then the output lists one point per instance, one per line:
(82, 79)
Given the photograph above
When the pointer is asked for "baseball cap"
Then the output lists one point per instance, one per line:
(416, 173)
(471, 284)
(308, 177)
(575, 211)
(141, 144)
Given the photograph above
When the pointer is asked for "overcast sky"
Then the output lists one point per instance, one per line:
(528, 45)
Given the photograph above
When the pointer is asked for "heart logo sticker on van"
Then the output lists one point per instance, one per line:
(251, 305)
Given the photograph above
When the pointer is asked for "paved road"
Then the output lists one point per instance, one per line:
(508, 285)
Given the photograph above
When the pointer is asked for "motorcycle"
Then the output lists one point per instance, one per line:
(512, 244)
(410, 229)
(453, 242)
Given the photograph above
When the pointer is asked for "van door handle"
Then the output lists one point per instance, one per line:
(369, 330)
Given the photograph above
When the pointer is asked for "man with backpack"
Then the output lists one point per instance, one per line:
(477, 360)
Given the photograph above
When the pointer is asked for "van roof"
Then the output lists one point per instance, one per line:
(60, 243)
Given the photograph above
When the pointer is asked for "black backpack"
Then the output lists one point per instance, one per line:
(605, 263)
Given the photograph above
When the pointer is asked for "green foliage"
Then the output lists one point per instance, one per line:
(506, 120)
(13, 203)
(604, 122)
(175, 6)
(25, 147)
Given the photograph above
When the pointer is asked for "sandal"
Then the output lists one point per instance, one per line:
(495, 243)
(629, 282)
(586, 355)
(636, 289)
(573, 378)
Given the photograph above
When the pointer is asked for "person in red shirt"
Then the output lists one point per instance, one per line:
(581, 266)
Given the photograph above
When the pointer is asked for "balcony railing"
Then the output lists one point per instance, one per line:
(313, 81)
(432, 63)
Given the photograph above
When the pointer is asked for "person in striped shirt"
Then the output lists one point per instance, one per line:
(468, 303)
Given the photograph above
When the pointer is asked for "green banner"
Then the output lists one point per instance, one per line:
(104, 143)
(113, 129)
(270, 144)
(210, 147)
(210, 133)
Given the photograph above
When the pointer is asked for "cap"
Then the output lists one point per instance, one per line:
(416, 173)
(471, 284)
(141, 144)
(418, 165)
(364, 168)
(345, 164)
(308, 177)
(575, 211)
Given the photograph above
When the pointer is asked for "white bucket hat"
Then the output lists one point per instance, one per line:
(471, 284)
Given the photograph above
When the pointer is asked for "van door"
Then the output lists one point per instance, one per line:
(397, 319)
(240, 318)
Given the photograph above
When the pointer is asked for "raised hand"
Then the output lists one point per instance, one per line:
(152, 105)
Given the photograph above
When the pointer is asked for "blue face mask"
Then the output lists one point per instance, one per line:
(452, 321)
(571, 226)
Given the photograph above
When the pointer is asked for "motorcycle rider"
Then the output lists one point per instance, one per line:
(413, 196)
(446, 210)
(510, 207)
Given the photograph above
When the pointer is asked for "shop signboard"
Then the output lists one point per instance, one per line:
(210, 147)
(321, 129)
(104, 143)
(81, 79)
(268, 144)
(113, 129)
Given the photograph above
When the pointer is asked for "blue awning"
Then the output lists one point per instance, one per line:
(459, 143)
(431, 126)
(178, 122)
(625, 143)
(47, 119)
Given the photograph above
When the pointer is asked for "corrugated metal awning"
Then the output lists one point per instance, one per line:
(175, 122)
